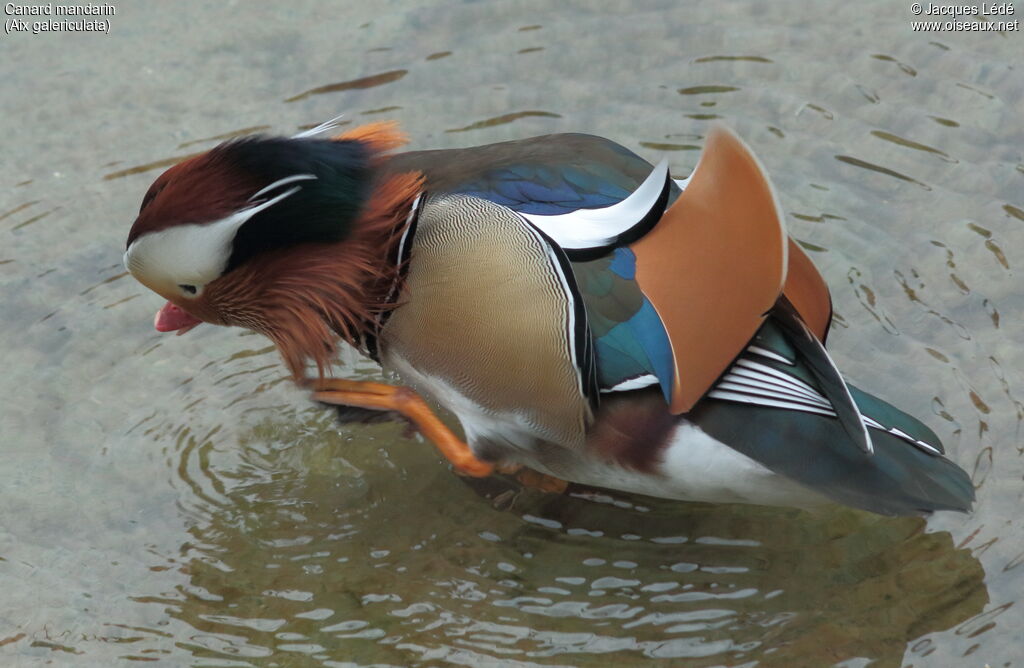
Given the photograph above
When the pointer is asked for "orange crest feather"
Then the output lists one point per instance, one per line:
(381, 136)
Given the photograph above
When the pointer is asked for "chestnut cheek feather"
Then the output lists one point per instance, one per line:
(304, 298)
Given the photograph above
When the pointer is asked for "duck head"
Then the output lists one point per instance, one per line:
(289, 237)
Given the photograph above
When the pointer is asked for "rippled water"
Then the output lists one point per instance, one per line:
(175, 500)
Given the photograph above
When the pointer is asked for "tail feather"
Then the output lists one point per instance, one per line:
(891, 419)
(898, 479)
(783, 405)
(825, 372)
(921, 480)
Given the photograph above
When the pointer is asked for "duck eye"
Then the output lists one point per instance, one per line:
(190, 289)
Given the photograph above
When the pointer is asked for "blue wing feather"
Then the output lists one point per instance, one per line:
(549, 189)
(630, 339)
(559, 175)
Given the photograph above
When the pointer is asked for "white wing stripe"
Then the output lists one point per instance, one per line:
(927, 448)
(774, 403)
(872, 423)
(764, 352)
(774, 373)
(794, 384)
(741, 374)
(730, 384)
(633, 384)
(593, 228)
(754, 383)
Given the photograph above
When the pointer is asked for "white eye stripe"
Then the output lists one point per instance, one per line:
(189, 254)
(284, 181)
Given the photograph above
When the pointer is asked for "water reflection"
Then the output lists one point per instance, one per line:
(895, 139)
(20, 207)
(149, 166)
(504, 118)
(666, 146)
(153, 513)
(864, 164)
(353, 84)
(296, 550)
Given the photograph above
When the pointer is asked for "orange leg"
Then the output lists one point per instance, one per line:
(542, 481)
(380, 396)
(527, 477)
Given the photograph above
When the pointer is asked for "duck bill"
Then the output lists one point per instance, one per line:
(173, 318)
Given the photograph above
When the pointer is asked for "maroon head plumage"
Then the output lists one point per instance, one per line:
(290, 237)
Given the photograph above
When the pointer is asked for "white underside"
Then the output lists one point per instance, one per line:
(694, 466)
(478, 423)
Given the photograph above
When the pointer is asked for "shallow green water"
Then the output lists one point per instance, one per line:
(175, 500)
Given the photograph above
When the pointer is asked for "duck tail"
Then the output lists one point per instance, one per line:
(909, 457)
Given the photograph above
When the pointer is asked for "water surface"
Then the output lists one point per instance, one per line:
(177, 501)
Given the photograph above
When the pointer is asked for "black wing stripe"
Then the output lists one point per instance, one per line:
(824, 370)
(582, 339)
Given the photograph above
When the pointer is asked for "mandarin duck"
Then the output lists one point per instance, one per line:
(581, 312)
